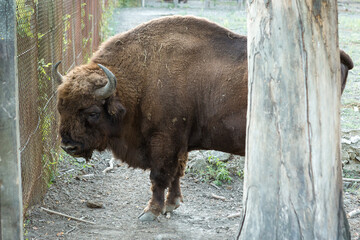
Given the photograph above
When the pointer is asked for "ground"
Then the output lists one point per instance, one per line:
(123, 192)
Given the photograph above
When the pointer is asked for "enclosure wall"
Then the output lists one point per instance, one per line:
(49, 31)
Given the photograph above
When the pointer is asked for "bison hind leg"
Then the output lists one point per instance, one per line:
(174, 196)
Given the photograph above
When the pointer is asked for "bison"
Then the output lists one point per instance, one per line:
(156, 92)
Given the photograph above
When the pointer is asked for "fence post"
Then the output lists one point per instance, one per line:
(10, 175)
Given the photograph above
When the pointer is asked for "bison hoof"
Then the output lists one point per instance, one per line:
(147, 216)
(171, 207)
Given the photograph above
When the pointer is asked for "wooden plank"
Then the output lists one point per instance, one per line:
(10, 176)
(293, 182)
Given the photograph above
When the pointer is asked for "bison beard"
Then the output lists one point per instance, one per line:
(164, 92)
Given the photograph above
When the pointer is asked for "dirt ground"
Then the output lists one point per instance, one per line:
(124, 192)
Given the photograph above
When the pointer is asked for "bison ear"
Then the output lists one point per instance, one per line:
(115, 109)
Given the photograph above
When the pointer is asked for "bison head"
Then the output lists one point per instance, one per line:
(88, 109)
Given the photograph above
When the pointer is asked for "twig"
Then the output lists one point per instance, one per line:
(88, 175)
(351, 180)
(66, 170)
(64, 215)
(84, 177)
(234, 215)
(353, 213)
(215, 186)
(218, 197)
(70, 230)
(111, 163)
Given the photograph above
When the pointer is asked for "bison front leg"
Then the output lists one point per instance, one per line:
(156, 203)
(160, 180)
(163, 170)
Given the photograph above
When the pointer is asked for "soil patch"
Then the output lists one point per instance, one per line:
(124, 192)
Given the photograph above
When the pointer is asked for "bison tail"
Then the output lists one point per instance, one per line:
(346, 59)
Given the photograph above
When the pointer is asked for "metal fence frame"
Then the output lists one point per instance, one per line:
(48, 31)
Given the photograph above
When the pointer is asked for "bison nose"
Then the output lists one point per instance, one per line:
(69, 148)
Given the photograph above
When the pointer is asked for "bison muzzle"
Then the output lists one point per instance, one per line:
(156, 92)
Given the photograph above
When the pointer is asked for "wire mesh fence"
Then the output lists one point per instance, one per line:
(49, 31)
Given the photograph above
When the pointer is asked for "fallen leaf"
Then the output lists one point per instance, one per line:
(60, 234)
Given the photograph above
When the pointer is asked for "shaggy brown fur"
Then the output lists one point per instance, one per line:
(179, 88)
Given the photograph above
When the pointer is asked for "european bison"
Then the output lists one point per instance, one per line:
(155, 93)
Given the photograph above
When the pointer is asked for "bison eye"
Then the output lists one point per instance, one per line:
(92, 114)
(93, 117)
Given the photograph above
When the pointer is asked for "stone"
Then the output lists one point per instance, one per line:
(94, 204)
(197, 164)
(345, 156)
(216, 155)
(167, 236)
(355, 139)
(346, 141)
(194, 155)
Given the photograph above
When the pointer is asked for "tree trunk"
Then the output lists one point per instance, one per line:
(293, 184)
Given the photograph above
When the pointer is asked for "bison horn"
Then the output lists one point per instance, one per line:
(110, 87)
(57, 75)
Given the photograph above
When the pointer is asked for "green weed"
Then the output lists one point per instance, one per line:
(106, 18)
(240, 173)
(24, 19)
(129, 3)
(216, 172)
